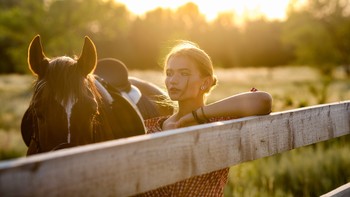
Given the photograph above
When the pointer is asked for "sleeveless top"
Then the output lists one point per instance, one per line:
(211, 184)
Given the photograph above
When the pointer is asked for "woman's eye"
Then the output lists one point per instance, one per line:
(185, 74)
(169, 74)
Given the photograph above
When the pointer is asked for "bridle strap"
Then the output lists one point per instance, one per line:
(63, 145)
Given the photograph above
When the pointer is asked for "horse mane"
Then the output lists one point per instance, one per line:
(66, 81)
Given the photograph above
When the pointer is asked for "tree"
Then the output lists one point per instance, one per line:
(150, 36)
(262, 44)
(222, 41)
(62, 25)
(17, 19)
(147, 36)
(318, 33)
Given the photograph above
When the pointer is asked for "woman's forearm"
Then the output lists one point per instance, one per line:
(236, 106)
(241, 105)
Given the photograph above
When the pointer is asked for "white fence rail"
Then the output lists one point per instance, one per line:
(129, 166)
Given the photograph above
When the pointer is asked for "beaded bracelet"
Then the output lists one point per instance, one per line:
(204, 116)
(195, 116)
(197, 119)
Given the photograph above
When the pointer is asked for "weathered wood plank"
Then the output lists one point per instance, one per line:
(342, 191)
(133, 165)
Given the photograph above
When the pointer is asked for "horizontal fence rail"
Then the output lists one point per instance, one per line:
(133, 165)
(342, 191)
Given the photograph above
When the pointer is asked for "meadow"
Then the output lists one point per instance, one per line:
(308, 171)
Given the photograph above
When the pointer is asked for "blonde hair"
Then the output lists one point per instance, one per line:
(200, 57)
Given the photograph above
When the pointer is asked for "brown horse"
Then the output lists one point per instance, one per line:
(70, 107)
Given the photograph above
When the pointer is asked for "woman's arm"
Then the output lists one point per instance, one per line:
(236, 106)
(241, 105)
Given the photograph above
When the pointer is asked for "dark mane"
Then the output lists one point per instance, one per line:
(65, 81)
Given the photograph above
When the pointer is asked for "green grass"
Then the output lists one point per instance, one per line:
(15, 91)
(307, 171)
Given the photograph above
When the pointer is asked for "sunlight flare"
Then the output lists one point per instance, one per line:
(274, 9)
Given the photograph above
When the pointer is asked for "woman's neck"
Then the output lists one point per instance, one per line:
(186, 107)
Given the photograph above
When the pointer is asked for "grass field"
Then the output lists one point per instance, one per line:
(309, 171)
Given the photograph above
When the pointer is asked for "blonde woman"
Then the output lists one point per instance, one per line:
(189, 79)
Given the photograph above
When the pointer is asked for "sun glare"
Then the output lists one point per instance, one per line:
(272, 9)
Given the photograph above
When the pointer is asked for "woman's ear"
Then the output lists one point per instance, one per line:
(207, 83)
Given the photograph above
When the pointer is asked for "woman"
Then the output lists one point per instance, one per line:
(189, 79)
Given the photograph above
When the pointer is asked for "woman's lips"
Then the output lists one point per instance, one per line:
(174, 90)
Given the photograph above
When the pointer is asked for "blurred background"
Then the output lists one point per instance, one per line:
(298, 50)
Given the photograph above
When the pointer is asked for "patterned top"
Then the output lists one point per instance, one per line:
(210, 184)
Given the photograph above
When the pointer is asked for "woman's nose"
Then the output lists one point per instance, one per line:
(173, 79)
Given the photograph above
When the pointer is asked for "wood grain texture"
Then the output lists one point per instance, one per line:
(342, 191)
(129, 166)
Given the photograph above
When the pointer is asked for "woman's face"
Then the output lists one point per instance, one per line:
(183, 79)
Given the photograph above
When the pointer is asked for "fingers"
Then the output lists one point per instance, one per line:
(253, 89)
(185, 123)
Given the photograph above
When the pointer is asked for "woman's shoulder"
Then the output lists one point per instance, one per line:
(154, 125)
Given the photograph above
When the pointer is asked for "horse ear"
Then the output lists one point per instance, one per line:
(37, 60)
(88, 58)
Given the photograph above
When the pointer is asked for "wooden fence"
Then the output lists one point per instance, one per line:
(132, 165)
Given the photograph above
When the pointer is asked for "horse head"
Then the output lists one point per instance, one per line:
(70, 107)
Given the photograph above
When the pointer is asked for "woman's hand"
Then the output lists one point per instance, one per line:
(253, 89)
(186, 120)
(169, 125)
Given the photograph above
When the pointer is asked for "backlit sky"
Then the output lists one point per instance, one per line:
(272, 9)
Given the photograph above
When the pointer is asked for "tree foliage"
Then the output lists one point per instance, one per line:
(313, 35)
(318, 34)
